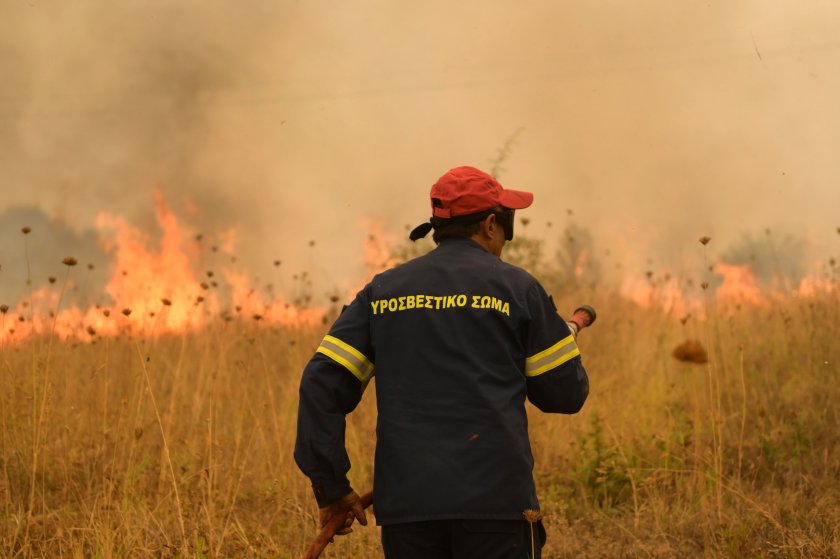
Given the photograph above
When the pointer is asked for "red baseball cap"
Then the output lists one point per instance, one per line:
(467, 190)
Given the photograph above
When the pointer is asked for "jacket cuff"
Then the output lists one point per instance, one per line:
(328, 492)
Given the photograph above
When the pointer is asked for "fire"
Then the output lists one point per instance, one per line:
(145, 276)
(739, 284)
(666, 294)
(581, 262)
(811, 287)
(378, 255)
(156, 287)
(268, 310)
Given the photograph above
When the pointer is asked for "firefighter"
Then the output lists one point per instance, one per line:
(457, 340)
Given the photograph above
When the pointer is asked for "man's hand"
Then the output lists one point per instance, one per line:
(349, 505)
(583, 318)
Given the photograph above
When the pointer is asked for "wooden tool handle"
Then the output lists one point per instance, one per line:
(322, 540)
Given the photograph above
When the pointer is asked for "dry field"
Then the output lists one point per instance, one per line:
(181, 446)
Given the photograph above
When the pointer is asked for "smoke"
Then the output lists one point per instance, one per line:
(288, 121)
(33, 260)
(112, 103)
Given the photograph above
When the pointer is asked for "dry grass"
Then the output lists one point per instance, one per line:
(182, 446)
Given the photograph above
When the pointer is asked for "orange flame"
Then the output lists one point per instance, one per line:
(378, 255)
(739, 284)
(155, 288)
(667, 295)
(144, 278)
(581, 262)
(812, 287)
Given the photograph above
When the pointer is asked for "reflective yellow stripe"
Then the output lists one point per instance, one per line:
(339, 359)
(552, 357)
(556, 363)
(347, 347)
(540, 355)
(349, 357)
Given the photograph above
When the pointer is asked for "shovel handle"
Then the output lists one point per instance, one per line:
(322, 540)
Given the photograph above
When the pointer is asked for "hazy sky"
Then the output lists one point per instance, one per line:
(656, 121)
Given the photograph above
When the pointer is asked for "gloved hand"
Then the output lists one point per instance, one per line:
(349, 505)
(584, 317)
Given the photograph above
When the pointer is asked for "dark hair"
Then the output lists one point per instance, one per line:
(468, 225)
(448, 229)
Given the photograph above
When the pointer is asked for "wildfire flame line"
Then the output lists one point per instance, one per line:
(156, 287)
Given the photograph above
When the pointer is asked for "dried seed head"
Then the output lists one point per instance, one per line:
(312, 243)
(525, 221)
(4, 308)
(204, 286)
(690, 351)
(209, 273)
(91, 331)
(126, 311)
(69, 261)
(138, 432)
(277, 262)
(90, 267)
(51, 279)
(199, 299)
(334, 298)
(257, 317)
(106, 313)
(704, 285)
(25, 230)
(704, 240)
(166, 302)
(532, 516)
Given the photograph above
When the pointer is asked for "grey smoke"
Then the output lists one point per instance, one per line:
(291, 120)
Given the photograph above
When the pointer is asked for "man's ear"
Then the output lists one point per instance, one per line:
(489, 224)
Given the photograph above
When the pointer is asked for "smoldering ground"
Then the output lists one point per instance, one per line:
(288, 120)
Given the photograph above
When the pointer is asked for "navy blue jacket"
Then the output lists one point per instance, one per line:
(457, 340)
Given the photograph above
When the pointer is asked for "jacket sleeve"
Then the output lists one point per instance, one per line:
(331, 387)
(555, 377)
